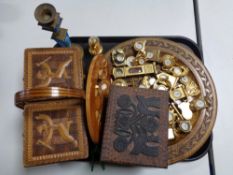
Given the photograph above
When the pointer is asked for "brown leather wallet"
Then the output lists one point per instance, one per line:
(136, 127)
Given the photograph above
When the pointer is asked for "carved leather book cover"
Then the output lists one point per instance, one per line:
(136, 127)
(58, 67)
(53, 132)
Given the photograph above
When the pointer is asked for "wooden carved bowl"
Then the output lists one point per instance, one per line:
(184, 145)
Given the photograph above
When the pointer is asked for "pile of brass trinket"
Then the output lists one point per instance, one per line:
(153, 69)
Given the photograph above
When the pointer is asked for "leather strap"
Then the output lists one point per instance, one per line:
(45, 94)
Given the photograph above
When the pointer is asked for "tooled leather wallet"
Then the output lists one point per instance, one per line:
(136, 126)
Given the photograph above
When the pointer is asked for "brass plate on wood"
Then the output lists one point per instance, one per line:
(53, 132)
(193, 100)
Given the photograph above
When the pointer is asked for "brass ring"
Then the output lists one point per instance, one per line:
(47, 93)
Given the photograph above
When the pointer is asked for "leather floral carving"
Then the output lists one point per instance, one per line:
(136, 125)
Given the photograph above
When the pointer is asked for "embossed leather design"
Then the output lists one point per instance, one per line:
(136, 127)
(54, 130)
(53, 67)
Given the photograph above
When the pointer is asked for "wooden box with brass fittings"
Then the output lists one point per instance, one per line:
(52, 100)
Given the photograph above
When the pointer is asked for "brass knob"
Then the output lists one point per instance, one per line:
(95, 47)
